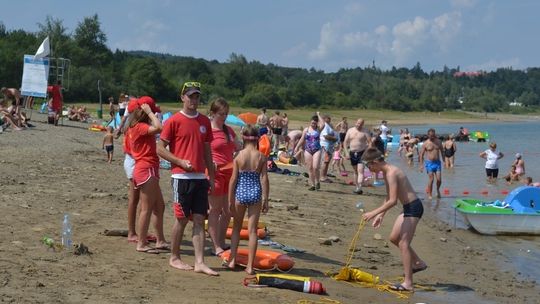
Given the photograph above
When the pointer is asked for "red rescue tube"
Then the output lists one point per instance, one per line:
(264, 259)
(244, 233)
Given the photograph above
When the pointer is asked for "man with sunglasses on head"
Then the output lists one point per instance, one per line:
(188, 135)
(357, 140)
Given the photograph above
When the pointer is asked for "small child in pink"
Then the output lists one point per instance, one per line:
(337, 159)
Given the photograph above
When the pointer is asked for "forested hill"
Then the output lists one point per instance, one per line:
(254, 84)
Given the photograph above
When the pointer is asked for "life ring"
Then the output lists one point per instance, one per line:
(264, 259)
(244, 233)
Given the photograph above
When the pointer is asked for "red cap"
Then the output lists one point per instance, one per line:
(135, 104)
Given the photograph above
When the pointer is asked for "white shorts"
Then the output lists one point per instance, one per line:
(129, 165)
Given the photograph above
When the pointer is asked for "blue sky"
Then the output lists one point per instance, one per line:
(326, 35)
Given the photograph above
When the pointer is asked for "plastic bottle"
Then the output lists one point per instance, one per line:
(66, 232)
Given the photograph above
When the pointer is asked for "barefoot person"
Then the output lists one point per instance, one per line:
(310, 143)
(223, 147)
(248, 190)
(143, 127)
(398, 188)
(328, 139)
(356, 142)
(432, 152)
(188, 134)
(108, 144)
(342, 127)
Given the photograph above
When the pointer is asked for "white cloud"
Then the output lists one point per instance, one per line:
(327, 42)
(395, 43)
(492, 65)
(445, 28)
(296, 50)
(408, 36)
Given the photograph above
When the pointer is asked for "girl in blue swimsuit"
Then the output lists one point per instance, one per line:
(248, 187)
(310, 142)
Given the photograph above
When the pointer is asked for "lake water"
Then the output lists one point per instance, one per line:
(469, 175)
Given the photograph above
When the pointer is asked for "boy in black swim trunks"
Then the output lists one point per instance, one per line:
(398, 188)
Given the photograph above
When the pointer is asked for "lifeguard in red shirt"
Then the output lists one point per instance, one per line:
(57, 99)
(188, 134)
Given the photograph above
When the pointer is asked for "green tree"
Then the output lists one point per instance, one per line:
(91, 43)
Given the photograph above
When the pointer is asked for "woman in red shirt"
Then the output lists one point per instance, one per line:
(143, 127)
(223, 147)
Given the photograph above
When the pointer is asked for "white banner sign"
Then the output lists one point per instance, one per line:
(35, 76)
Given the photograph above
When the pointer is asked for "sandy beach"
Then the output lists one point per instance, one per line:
(47, 171)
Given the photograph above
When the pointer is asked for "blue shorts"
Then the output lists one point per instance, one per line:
(432, 166)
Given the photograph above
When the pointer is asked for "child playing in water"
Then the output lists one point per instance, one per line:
(398, 188)
(337, 159)
(512, 176)
(248, 187)
(108, 144)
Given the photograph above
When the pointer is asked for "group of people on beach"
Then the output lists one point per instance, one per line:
(213, 175)
(11, 110)
(320, 142)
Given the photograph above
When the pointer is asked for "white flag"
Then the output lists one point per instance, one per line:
(44, 49)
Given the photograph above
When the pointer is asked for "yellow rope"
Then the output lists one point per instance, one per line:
(357, 277)
(356, 237)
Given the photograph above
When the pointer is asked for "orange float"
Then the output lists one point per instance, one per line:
(244, 233)
(264, 145)
(264, 259)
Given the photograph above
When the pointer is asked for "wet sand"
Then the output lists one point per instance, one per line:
(47, 171)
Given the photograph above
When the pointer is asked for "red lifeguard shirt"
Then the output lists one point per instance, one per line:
(142, 146)
(223, 150)
(186, 137)
(125, 146)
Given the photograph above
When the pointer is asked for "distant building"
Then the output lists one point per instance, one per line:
(468, 74)
(515, 104)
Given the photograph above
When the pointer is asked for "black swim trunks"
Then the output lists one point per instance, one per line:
(356, 157)
(276, 131)
(342, 137)
(413, 209)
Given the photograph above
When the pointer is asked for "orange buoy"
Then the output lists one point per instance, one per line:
(446, 191)
(484, 192)
(466, 192)
(244, 233)
(264, 145)
(505, 192)
(264, 259)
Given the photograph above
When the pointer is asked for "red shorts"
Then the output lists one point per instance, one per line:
(143, 174)
(57, 107)
(221, 180)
